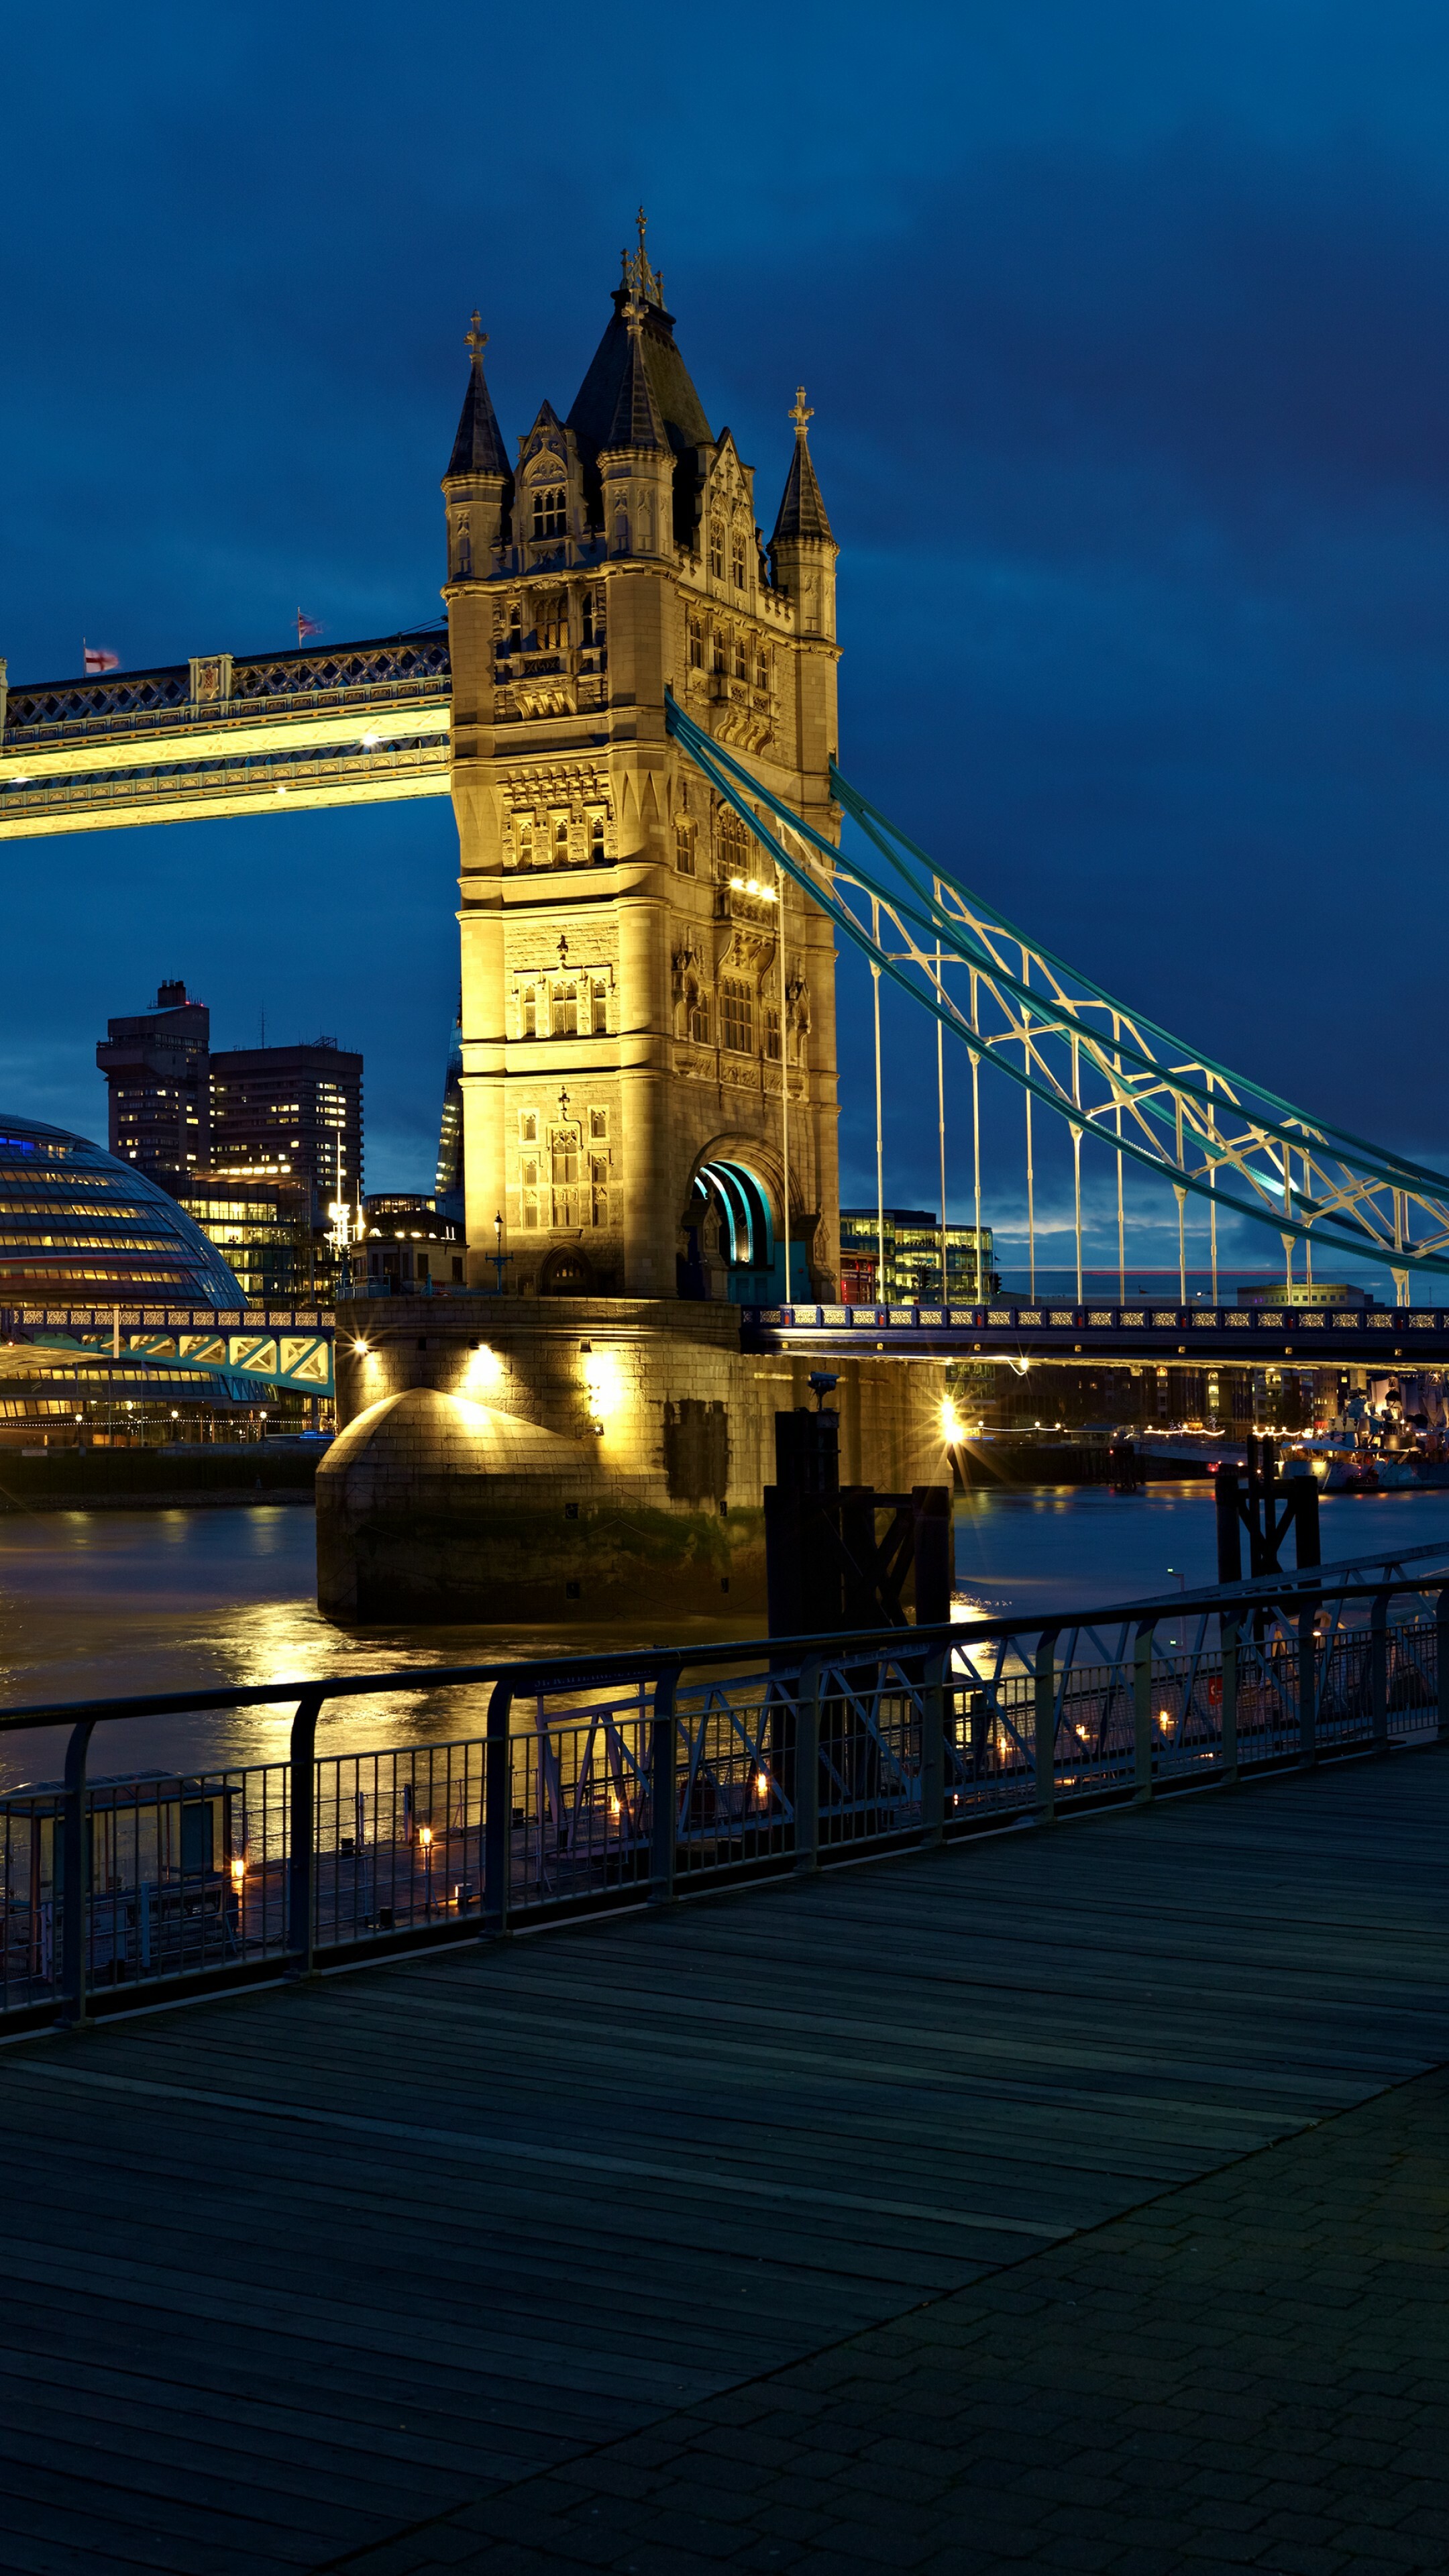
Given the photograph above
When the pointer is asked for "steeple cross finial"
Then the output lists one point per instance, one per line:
(476, 340)
(802, 412)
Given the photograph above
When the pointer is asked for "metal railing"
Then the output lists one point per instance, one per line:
(588, 1782)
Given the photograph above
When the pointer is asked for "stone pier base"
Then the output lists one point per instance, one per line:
(576, 1458)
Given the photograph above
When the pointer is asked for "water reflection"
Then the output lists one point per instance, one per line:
(99, 1604)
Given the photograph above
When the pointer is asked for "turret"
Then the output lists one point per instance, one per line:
(802, 549)
(636, 462)
(478, 485)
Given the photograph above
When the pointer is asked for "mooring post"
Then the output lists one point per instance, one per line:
(497, 1810)
(1379, 1667)
(1045, 1678)
(74, 1873)
(1228, 1633)
(663, 1788)
(933, 1746)
(1142, 1708)
(302, 1836)
(805, 1786)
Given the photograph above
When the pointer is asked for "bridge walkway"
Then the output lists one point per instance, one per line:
(452, 2247)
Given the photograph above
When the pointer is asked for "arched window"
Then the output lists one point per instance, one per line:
(515, 626)
(550, 510)
(530, 1010)
(564, 1173)
(736, 1016)
(598, 1189)
(560, 840)
(565, 1010)
(528, 1126)
(737, 557)
(684, 846)
(587, 636)
(762, 668)
(596, 840)
(717, 651)
(716, 548)
(525, 845)
(528, 1189)
(733, 844)
(772, 1035)
(600, 1009)
(742, 657)
(699, 1019)
(696, 645)
(553, 621)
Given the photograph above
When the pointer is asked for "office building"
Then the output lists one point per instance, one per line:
(290, 1113)
(265, 1232)
(408, 1239)
(912, 1274)
(156, 1065)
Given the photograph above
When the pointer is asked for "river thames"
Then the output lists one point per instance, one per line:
(107, 1604)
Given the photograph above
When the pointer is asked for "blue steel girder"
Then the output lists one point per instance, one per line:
(292, 1359)
(1104, 1069)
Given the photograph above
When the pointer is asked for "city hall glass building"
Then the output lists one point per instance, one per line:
(78, 1227)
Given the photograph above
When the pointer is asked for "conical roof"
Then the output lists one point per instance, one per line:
(597, 403)
(636, 421)
(802, 512)
(478, 447)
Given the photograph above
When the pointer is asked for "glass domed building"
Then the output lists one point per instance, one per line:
(78, 1227)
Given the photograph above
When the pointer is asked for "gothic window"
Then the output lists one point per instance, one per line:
(762, 668)
(599, 1189)
(717, 651)
(550, 510)
(553, 622)
(601, 1009)
(564, 1173)
(565, 1010)
(515, 627)
(733, 844)
(528, 1189)
(587, 635)
(772, 1036)
(737, 558)
(716, 548)
(525, 845)
(742, 661)
(596, 840)
(737, 1016)
(528, 1126)
(621, 530)
(696, 645)
(560, 840)
(699, 1020)
(530, 1010)
(684, 846)
(598, 1123)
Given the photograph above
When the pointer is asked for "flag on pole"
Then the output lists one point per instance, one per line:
(98, 657)
(307, 626)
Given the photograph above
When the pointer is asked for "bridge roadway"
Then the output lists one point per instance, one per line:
(1320, 1336)
(919, 2216)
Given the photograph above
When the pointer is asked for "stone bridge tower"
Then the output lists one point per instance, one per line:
(626, 1023)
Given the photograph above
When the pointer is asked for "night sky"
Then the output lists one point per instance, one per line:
(1127, 332)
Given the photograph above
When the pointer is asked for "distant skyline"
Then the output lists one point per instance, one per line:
(1127, 336)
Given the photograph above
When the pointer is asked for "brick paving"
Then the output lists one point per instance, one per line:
(1249, 2372)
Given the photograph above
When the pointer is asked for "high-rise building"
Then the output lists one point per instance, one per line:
(290, 1112)
(450, 1185)
(156, 1065)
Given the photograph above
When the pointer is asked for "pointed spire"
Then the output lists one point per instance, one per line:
(802, 512)
(478, 447)
(636, 421)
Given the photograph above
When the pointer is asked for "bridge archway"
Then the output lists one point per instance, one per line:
(733, 1247)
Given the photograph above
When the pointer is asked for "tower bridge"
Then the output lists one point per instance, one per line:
(633, 709)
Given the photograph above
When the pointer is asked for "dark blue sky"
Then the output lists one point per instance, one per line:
(1127, 330)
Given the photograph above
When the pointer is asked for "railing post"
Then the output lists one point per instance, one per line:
(1142, 1708)
(663, 1788)
(74, 1859)
(497, 1811)
(1308, 1685)
(1045, 1678)
(302, 1836)
(1228, 1633)
(1441, 1658)
(1379, 1668)
(806, 1782)
(933, 1747)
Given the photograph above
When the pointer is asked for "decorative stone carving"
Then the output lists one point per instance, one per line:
(210, 679)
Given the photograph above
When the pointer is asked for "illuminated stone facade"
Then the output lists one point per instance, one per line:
(624, 1007)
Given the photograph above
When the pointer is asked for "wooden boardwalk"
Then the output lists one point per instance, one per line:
(287, 2273)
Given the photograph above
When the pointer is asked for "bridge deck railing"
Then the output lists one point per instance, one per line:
(1018, 1315)
(572, 1786)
